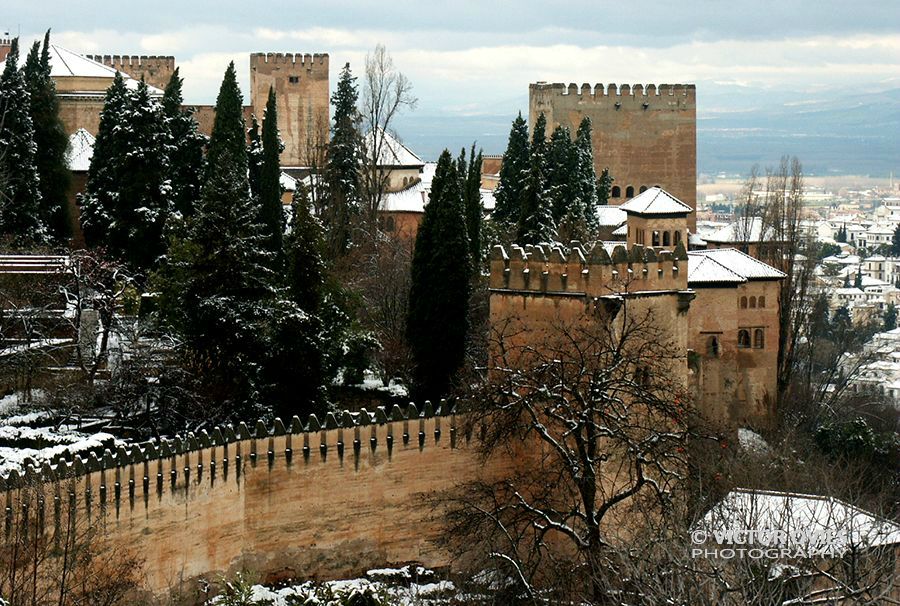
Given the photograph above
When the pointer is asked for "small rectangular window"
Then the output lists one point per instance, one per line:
(293, 79)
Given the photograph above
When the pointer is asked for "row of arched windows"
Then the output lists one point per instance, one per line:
(629, 191)
(658, 238)
(752, 302)
(746, 340)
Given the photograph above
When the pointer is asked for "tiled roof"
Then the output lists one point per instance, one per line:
(655, 201)
(726, 264)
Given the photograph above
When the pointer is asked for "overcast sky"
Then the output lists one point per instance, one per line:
(479, 56)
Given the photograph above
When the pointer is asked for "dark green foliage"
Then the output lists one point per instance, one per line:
(846, 280)
(857, 279)
(586, 183)
(342, 179)
(186, 162)
(841, 235)
(126, 205)
(254, 156)
(228, 137)
(895, 242)
(271, 211)
(857, 440)
(827, 249)
(561, 168)
(820, 325)
(890, 317)
(303, 252)
(471, 177)
(21, 212)
(604, 187)
(841, 320)
(513, 173)
(52, 143)
(536, 222)
(441, 281)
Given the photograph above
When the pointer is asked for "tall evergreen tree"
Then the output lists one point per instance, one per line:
(52, 142)
(21, 219)
(890, 317)
(895, 242)
(441, 278)
(254, 155)
(857, 280)
(185, 149)
(513, 171)
(270, 207)
(342, 178)
(604, 188)
(228, 136)
(303, 249)
(128, 190)
(561, 172)
(474, 208)
(536, 222)
(586, 179)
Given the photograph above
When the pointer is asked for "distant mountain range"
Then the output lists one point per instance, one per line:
(832, 132)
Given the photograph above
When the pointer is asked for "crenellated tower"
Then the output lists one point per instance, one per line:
(646, 136)
(302, 95)
(154, 69)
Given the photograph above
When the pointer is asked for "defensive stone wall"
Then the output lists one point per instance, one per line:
(303, 500)
(154, 69)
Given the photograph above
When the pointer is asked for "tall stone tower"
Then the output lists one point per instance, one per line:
(301, 89)
(154, 69)
(5, 46)
(646, 136)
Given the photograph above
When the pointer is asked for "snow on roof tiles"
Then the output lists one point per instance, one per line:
(730, 262)
(655, 201)
(392, 153)
(611, 216)
(81, 149)
(745, 229)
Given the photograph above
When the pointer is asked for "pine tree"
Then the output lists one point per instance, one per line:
(20, 196)
(99, 204)
(128, 192)
(342, 179)
(513, 171)
(441, 279)
(890, 317)
(185, 149)
(270, 207)
(52, 143)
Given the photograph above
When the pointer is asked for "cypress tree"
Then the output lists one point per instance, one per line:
(271, 211)
(604, 188)
(185, 149)
(474, 208)
(539, 147)
(441, 278)
(513, 171)
(536, 222)
(342, 179)
(303, 249)
(254, 155)
(228, 135)
(561, 173)
(52, 143)
(587, 184)
(857, 280)
(20, 195)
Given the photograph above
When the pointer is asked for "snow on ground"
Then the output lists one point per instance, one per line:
(373, 383)
(752, 442)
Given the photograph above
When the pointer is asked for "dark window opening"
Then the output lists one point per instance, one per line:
(743, 339)
(629, 191)
(616, 191)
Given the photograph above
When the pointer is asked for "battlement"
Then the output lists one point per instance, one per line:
(295, 60)
(125, 63)
(616, 90)
(243, 439)
(550, 270)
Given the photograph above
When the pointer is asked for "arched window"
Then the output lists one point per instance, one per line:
(643, 188)
(712, 347)
(761, 302)
(743, 338)
(752, 302)
(759, 338)
(655, 238)
(389, 223)
(677, 239)
(616, 191)
(743, 302)
(666, 241)
(629, 191)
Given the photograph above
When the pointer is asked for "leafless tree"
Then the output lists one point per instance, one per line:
(596, 411)
(386, 92)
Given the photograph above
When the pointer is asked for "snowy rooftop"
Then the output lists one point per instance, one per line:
(726, 263)
(655, 201)
(393, 153)
(745, 229)
(765, 510)
(65, 63)
(611, 216)
(414, 198)
(81, 149)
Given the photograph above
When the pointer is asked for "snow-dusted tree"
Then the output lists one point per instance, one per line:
(21, 217)
(513, 172)
(254, 155)
(52, 142)
(271, 210)
(597, 405)
(127, 202)
(341, 202)
(185, 149)
(387, 92)
(536, 223)
(303, 249)
(471, 185)
(441, 280)
(586, 183)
